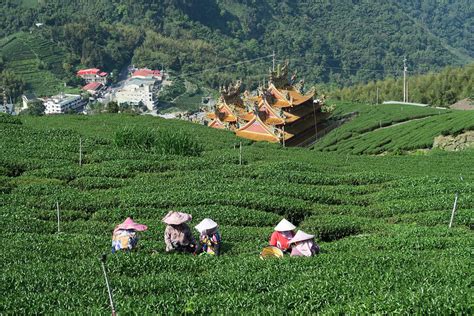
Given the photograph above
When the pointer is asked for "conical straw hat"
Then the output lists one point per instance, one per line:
(176, 218)
(301, 236)
(284, 226)
(130, 224)
(206, 224)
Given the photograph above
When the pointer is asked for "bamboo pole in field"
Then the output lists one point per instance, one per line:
(454, 206)
(109, 290)
(454, 210)
(240, 153)
(57, 211)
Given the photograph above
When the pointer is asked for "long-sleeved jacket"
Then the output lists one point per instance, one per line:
(177, 236)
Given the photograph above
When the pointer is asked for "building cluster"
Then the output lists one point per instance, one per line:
(279, 113)
(140, 89)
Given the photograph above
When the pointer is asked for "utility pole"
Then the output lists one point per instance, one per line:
(405, 94)
(377, 95)
(273, 61)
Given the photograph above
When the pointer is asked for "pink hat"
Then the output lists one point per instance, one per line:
(176, 218)
(130, 224)
(301, 236)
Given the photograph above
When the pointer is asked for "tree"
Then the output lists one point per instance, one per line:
(112, 107)
(35, 108)
(12, 84)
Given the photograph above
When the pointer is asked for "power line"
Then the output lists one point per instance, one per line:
(222, 67)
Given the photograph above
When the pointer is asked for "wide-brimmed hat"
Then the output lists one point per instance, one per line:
(301, 236)
(284, 226)
(176, 218)
(271, 252)
(206, 224)
(131, 225)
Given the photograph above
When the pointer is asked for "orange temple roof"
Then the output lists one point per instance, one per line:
(217, 124)
(255, 129)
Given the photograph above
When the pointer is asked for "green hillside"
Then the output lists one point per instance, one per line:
(37, 61)
(392, 128)
(381, 222)
(443, 88)
(341, 43)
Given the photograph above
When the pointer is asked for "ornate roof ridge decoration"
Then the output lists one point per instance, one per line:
(231, 93)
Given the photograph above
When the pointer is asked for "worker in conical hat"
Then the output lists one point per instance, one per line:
(283, 233)
(303, 245)
(178, 236)
(125, 235)
(209, 237)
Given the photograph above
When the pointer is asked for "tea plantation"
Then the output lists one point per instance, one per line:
(381, 222)
(35, 60)
(386, 128)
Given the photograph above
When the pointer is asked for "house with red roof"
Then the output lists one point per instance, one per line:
(93, 87)
(146, 73)
(93, 75)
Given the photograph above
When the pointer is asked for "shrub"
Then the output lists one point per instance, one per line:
(177, 143)
(136, 138)
(165, 141)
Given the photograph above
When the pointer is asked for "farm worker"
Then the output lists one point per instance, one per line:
(209, 238)
(303, 245)
(125, 235)
(282, 235)
(178, 236)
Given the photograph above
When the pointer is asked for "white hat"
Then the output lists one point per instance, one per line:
(301, 236)
(284, 226)
(206, 224)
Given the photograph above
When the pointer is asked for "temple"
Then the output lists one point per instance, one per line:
(279, 113)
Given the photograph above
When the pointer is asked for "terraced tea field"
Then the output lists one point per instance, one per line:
(36, 60)
(381, 221)
(387, 128)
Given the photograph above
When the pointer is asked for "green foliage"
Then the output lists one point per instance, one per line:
(136, 138)
(392, 128)
(35, 108)
(8, 119)
(366, 39)
(112, 107)
(11, 84)
(177, 143)
(164, 141)
(441, 89)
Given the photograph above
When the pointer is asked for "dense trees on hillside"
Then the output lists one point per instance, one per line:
(12, 84)
(343, 42)
(443, 88)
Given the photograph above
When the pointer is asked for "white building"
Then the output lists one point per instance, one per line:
(61, 103)
(136, 90)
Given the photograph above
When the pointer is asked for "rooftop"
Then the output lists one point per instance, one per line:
(145, 72)
(90, 71)
(92, 86)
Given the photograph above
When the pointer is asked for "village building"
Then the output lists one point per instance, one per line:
(93, 75)
(136, 91)
(62, 103)
(146, 73)
(93, 88)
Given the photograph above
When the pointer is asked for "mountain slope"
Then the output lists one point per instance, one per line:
(344, 42)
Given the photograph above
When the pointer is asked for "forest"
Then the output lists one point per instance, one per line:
(338, 44)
